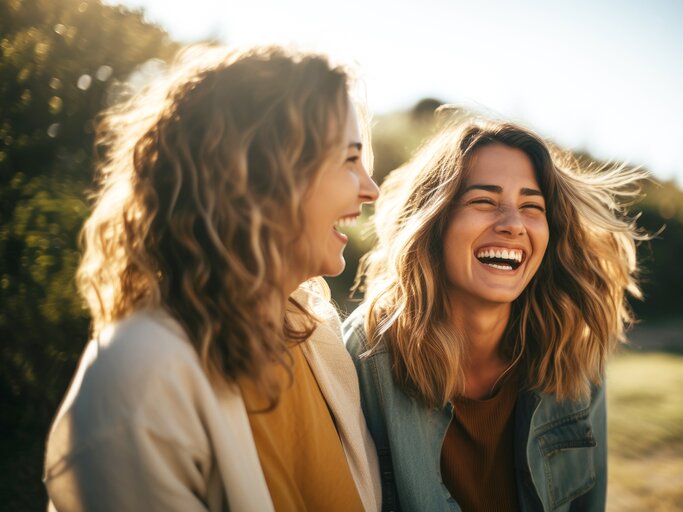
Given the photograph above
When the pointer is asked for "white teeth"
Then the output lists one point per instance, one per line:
(500, 267)
(507, 254)
(345, 222)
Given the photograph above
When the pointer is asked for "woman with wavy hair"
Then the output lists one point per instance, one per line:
(216, 378)
(494, 295)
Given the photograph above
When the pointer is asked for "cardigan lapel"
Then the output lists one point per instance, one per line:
(336, 376)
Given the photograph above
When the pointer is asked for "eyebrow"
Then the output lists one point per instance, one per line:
(356, 145)
(499, 190)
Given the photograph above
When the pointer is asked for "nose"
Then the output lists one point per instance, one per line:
(510, 223)
(369, 191)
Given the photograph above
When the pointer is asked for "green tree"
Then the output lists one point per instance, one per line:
(661, 213)
(59, 60)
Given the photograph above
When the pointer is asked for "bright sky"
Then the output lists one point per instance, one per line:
(601, 75)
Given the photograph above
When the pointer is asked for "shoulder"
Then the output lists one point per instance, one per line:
(143, 363)
(551, 411)
(146, 331)
(139, 350)
(353, 332)
(356, 336)
(140, 375)
(132, 358)
(356, 321)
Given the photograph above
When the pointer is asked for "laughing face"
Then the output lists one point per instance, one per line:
(498, 231)
(333, 201)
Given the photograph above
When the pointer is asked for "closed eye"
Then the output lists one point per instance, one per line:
(353, 159)
(482, 200)
(534, 206)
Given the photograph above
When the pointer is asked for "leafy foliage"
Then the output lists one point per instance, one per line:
(58, 60)
(662, 274)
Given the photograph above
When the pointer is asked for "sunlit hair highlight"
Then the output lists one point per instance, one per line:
(570, 316)
(199, 204)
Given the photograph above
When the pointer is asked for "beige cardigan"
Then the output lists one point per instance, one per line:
(141, 427)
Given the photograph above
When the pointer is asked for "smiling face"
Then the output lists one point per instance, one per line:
(498, 231)
(333, 200)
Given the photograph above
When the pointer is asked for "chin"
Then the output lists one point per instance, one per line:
(333, 270)
(493, 295)
(503, 297)
(333, 273)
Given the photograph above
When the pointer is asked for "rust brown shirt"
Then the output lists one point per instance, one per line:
(477, 457)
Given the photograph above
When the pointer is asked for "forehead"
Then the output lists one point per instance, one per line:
(353, 135)
(498, 164)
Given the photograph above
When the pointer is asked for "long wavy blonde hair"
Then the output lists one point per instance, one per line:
(571, 315)
(200, 195)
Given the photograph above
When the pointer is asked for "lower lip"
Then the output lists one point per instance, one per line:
(500, 271)
(341, 236)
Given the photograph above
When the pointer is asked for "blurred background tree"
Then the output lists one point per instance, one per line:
(662, 275)
(61, 62)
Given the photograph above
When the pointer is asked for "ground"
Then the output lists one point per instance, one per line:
(645, 408)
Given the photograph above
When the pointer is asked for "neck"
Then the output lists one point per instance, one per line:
(483, 329)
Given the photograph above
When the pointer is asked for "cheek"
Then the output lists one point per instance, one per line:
(540, 241)
(544, 236)
(455, 251)
(449, 255)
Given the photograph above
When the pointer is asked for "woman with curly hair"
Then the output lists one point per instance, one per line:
(216, 378)
(494, 295)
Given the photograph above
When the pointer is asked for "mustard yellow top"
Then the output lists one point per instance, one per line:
(298, 445)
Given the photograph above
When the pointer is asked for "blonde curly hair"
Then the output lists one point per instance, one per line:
(199, 200)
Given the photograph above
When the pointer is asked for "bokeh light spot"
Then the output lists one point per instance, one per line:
(55, 105)
(26, 97)
(84, 82)
(53, 130)
(41, 49)
(104, 73)
(23, 75)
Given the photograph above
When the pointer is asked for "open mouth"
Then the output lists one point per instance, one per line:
(501, 258)
(346, 222)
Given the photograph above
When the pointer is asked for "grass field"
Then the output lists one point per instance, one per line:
(645, 413)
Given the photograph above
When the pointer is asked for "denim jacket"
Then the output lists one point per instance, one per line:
(560, 446)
